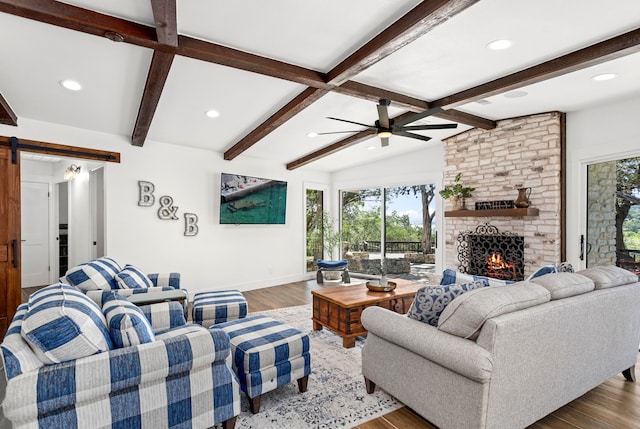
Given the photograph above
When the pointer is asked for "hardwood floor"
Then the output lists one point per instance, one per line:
(615, 404)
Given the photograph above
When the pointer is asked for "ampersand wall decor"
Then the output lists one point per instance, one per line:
(167, 210)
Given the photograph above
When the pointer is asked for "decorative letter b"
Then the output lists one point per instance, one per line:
(190, 224)
(146, 193)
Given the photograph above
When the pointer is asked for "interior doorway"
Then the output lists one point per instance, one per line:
(73, 217)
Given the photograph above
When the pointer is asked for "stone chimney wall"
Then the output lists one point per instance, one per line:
(519, 152)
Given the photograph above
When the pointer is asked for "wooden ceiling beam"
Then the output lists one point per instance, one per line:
(304, 99)
(615, 47)
(156, 78)
(339, 145)
(165, 17)
(411, 26)
(164, 14)
(7, 115)
(91, 22)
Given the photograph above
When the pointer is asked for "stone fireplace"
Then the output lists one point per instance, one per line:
(519, 152)
(488, 252)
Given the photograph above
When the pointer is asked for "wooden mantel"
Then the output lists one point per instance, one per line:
(491, 213)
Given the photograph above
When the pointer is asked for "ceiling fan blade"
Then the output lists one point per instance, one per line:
(410, 119)
(351, 122)
(339, 132)
(412, 135)
(428, 127)
(384, 141)
(383, 113)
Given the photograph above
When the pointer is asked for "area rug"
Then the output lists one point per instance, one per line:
(336, 395)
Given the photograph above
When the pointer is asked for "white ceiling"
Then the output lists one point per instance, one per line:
(316, 35)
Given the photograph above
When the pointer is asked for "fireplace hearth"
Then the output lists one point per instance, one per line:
(489, 252)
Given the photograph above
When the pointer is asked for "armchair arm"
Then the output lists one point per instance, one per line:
(460, 355)
(165, 279)
(164, 315)
(93, 378)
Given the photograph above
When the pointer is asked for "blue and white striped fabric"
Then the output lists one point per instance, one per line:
(97, 274)
(182, 380)
(63, 324)
(164, 315)
(450, 277)
(219, 306)
(127, 324)
(165, 279)
(132, 277)
(266, 353)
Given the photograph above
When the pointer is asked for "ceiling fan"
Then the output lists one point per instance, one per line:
(385, 127)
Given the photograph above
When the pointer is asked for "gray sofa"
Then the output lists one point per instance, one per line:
(503, 357)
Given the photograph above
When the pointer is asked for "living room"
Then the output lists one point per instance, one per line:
(251, 257)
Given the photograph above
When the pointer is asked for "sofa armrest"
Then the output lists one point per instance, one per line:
(457, 354)
(165, 279)
(56, 386)
(164, 315)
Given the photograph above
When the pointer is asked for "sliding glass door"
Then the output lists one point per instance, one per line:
(314, 209)
(403, 236)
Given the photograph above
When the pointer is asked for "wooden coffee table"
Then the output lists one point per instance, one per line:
(339, 308)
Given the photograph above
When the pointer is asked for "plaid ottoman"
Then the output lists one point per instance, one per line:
(210, 308)
(267, 354)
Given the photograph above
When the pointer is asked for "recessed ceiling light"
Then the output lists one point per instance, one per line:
(498, 45)
(371, 148)
(605, 76)
(71, 85)
(516, 94)
(312, 134)
(212, 113)
(483, 101)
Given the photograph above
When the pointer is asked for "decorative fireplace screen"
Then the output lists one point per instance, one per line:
(489, 252)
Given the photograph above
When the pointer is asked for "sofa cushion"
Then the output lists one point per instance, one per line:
(128, 325)
(564, 285)
(132, 277)
(63, 324)
(450, 277)
(430, 301)
(97, 274)
(465, 316)
(609, 276)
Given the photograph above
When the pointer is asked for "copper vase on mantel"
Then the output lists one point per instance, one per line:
(522, 202)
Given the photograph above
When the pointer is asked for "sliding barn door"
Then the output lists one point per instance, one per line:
(10, 291)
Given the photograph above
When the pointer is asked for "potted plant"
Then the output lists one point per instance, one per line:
(457, 192)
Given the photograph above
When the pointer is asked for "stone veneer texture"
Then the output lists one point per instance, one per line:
(601, 221)
(519, 152)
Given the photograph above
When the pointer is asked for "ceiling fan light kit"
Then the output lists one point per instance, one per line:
(385, 127)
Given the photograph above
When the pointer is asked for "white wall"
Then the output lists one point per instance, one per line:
(602, 133)
(421, 167)
(234, 256)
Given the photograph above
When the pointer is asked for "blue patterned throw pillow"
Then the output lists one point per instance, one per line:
(63, 324)
(450, 277)
(430, 301)
(127, 324)
(97, 274)
(132, 277)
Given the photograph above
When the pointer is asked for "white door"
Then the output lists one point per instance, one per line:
(35, 234)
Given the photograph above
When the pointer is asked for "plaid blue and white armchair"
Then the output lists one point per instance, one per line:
(64, 368)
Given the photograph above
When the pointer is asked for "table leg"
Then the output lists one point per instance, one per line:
(348, 343)
(317, 326)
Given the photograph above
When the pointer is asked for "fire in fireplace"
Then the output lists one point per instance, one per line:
(499, 268)
(489, 252)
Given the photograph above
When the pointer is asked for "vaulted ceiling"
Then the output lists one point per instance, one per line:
(275, 70)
